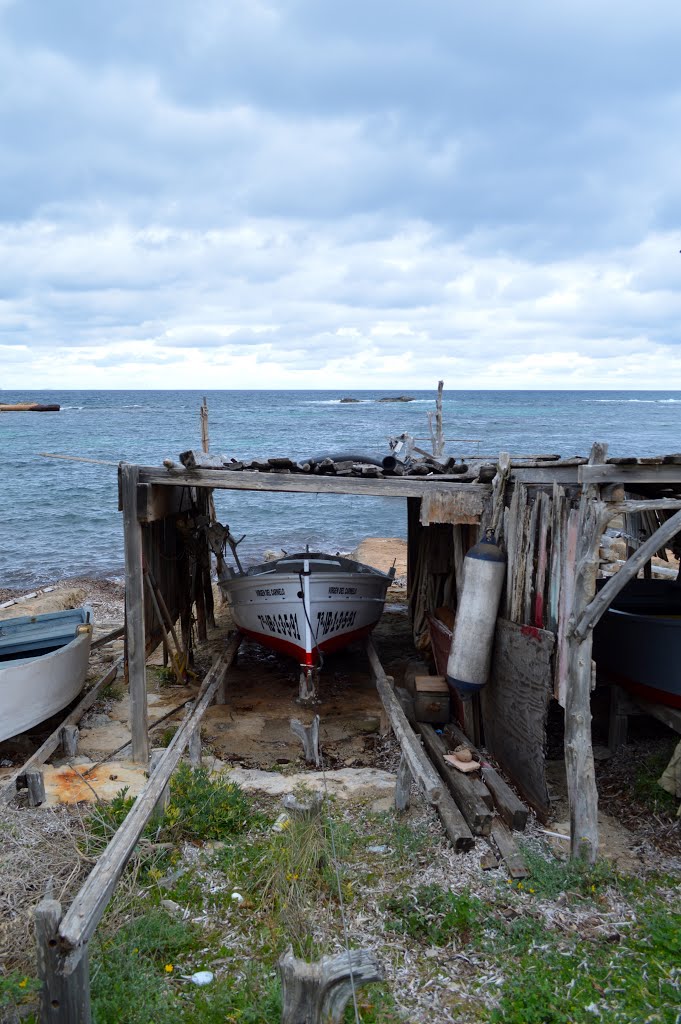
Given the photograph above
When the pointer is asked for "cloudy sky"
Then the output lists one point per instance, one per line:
(315, 193)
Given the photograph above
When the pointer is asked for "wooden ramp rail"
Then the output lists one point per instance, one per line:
(63, 940)
(416, 764)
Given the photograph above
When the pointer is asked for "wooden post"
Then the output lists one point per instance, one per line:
(35, 784)
(69, 740)
(205, 440)
(309, 737)
(579, 761)
(134, 615)
(403, 785)
(65, 993)
(195, 747)
(318, 993)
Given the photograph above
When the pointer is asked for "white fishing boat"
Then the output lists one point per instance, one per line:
(43, 664)
(306, 605)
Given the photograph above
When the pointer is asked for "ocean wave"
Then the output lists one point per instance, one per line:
(628, 401)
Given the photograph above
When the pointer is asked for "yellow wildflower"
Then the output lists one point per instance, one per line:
(169, 968)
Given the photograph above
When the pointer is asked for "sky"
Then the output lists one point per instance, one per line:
(326, 194)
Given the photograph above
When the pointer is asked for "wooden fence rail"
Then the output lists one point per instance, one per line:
(63, 938)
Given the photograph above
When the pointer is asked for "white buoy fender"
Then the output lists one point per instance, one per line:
(471, 651)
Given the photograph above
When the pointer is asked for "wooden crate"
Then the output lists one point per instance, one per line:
(431, 699)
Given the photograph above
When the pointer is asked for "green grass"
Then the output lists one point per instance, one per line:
(434, 916)
(552, 978)
(548, 973)
(646, 789)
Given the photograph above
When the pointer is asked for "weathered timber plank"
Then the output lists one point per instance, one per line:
(419, 765)
(442, 507)
(475, 811)
(609, 474)
(83, 916)
(515, 705)
(556, 473)
(155, 502)
(517, 868)
(389, 487)
(539, 607)
(510, 807)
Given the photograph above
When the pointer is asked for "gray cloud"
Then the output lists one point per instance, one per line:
(253, 182)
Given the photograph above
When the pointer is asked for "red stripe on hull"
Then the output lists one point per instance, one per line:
(649, 693)
(303, 657)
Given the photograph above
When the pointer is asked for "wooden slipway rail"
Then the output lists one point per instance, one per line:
(62, 940)
(416, 764)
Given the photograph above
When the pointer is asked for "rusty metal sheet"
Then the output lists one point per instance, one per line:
(78, 783)
(515, 706)
(460, 507)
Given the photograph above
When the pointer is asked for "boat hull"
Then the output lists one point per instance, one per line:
(306, 614)
(636, 643)
(35, 685)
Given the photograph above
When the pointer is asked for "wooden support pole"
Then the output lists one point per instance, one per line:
(195, 747)
(134, 615)
(179, 675)
(65, 997)
(579, 761)
(319, 993)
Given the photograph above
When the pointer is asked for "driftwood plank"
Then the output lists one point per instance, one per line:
(83, 916)
(397, 487)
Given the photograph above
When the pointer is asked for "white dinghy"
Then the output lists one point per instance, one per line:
(43, 664)
(306, 605)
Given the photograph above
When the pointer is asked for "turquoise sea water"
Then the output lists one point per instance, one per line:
(60, 519)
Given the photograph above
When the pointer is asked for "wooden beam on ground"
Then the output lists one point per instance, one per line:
(84, 914)
(517, 868)
(134, 615)
(510, 807)
(224, 479)
(419, 765)
(53, 741)
(475, 811)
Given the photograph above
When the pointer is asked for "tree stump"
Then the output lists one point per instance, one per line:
(309, 736)
(318, 993)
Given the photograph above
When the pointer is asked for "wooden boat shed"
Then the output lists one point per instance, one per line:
(550, 515)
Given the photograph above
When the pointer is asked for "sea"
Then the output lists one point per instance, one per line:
(59, 518)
